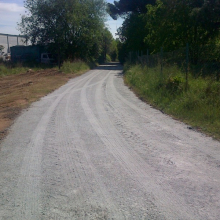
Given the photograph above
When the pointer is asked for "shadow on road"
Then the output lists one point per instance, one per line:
(110, 66)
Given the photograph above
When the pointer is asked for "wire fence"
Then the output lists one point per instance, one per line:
(8, 40)
(201, 61)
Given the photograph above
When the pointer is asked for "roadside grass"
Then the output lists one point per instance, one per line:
(68, 67)
(10, 68)
(6, 70)
(198, 105)
(74, 67)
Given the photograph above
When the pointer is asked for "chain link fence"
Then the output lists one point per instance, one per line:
(8, 40)
(200, 61)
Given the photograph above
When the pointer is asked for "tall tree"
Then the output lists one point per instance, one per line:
(173, 23)
(167, 23)
(133, 32)
(74, 26)
(124, 7)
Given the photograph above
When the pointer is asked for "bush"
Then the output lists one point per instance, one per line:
(108, 58)
(74, 67)
(11, 69)
(174, 84)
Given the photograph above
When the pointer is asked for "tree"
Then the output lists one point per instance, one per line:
(124, 7)
(166, 23)
(107, 45)
(173, 23)
(114, 50)
(133, 32)
(72, 28)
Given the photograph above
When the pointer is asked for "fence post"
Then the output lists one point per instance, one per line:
(161, 62)
(147, 57)
(141, 58)
(187, 64)
(8, 44)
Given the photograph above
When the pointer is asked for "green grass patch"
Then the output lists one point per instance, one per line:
(198, 106)
(6, 69)
(74, 67)
(9, 68)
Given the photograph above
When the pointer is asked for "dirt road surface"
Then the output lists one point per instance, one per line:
(93, 150)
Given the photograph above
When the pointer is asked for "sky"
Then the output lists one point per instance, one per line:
(11, 11)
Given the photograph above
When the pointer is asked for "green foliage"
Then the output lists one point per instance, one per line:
(74, 67)
(108, 58)
(168, 24)
(199, 105)
(124, 7)
(172, 24)
(109, 47)
(114, 50)
(12, 69)
(73, 28)
(68, 67)
(106, 44)
(174, 84)
(133, 32)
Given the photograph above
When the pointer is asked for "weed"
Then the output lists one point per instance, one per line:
(199, 105)
(174, 84)
(74, 67)
(16, 68)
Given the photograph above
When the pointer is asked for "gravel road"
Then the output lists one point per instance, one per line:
(93, 150)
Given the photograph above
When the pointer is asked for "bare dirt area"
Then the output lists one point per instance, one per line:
(92, 150)
(19, 91)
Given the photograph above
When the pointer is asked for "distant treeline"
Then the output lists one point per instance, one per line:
(73, 29)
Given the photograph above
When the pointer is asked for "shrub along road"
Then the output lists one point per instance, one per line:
(93, 150)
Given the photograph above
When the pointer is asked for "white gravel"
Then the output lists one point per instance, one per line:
(93, 150)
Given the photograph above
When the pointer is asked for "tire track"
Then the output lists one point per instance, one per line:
(131, 162)
(170, 151)
(28, 188)
(92, 150)
(79, 176)
(169, 128)
(105, 196)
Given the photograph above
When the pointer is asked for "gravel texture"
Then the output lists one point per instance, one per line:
(93, 150)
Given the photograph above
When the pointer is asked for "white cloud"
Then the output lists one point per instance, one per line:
(11, 7)
(10, 14)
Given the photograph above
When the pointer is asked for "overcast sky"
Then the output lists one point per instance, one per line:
(11, 11)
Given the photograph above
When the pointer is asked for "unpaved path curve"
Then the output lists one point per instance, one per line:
(93, 150)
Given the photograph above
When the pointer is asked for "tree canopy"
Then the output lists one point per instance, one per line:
(169, 24)
(123, 7)
(74, 27)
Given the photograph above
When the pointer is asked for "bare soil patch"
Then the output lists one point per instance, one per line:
(17, 92)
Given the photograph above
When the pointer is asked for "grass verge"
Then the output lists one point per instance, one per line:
(198, 106)
(76, 67)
